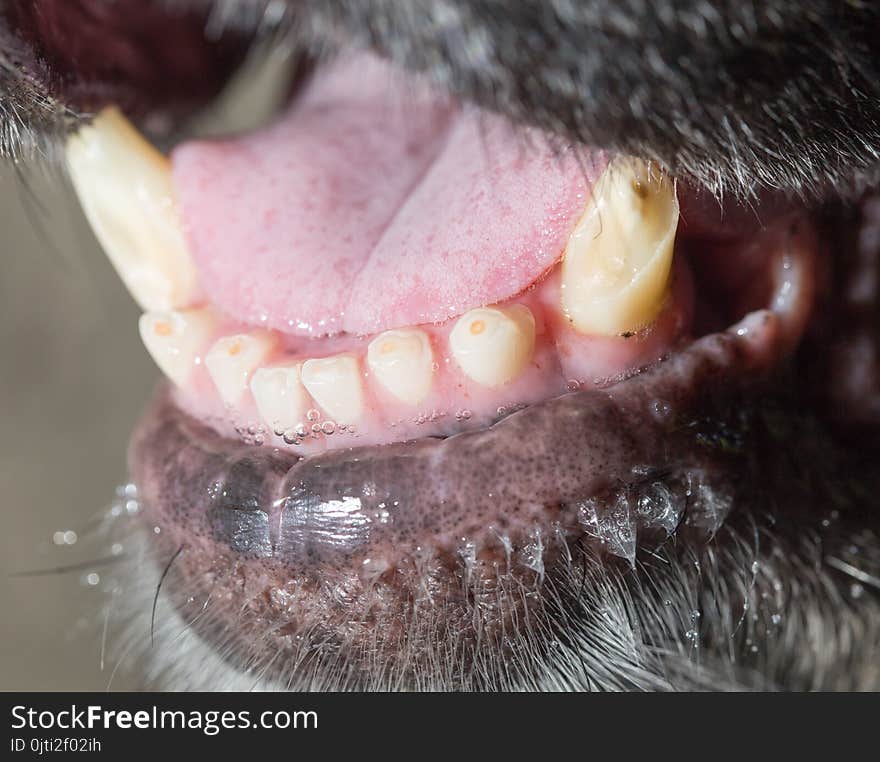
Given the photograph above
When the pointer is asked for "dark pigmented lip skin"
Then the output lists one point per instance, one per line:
(111, 57)
(369, 547)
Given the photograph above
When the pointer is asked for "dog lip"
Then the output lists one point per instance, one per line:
(111, 56)
(386, 500)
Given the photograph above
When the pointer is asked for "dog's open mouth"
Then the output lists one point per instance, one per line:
(420, 362)
(415, 356)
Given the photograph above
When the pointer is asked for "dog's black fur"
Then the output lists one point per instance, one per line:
(740, 97)
(736, 95)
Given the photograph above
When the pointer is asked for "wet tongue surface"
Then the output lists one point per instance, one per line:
(371, 204)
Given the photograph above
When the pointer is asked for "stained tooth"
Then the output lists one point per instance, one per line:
(615, 271)
(493, 345)
(402, 362)
(280, 396)
(124, 187)
(233, 359)
(335, 384)
(176, 339)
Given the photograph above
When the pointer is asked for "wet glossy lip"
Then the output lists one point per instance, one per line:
(354, 546)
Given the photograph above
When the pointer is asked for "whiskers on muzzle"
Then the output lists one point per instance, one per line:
(788, 602)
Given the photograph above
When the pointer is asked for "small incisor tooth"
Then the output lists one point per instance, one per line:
(615, 272)
(177, 339)
(402, 362)
(124, 186)
(335, 384)
(280, 396)
(493, 345)
(232, 360)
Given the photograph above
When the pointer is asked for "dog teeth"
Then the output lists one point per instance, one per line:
(280, 396)
(124, 186)
(615, 270)
(335, 384)
(176, 339)
(402, 362)
(493, 345)
(232, 360)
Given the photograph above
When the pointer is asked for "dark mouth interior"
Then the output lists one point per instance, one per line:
(111, 58)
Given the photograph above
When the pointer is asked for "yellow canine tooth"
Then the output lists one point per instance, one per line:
(493, 345)
(615, 271)
(124, 187)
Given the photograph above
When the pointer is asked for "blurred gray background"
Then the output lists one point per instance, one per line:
(73, 379)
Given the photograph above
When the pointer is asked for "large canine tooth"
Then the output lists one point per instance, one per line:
(280, 396)
(176, 339)
(402, 362)
(232, 360)
(493, 345)
(124, 187)
(335, 384)
(615, 271)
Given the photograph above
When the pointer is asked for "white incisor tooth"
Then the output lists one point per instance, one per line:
(124, 187)
(615, 271)
(176, 339)
(280, 396)
(493, 345)
(232, 360)
(335, 384)
(402, 362)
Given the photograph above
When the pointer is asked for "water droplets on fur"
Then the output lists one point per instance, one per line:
(708, 504)
(657, 506)
(609, 522)
(532, 553)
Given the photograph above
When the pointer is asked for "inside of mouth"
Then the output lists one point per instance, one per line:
(382, 264)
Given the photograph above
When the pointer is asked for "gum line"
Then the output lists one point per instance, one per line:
(562, 360)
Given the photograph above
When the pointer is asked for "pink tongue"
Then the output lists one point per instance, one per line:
(373, 204)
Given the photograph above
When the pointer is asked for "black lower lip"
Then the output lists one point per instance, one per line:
(552, 467)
